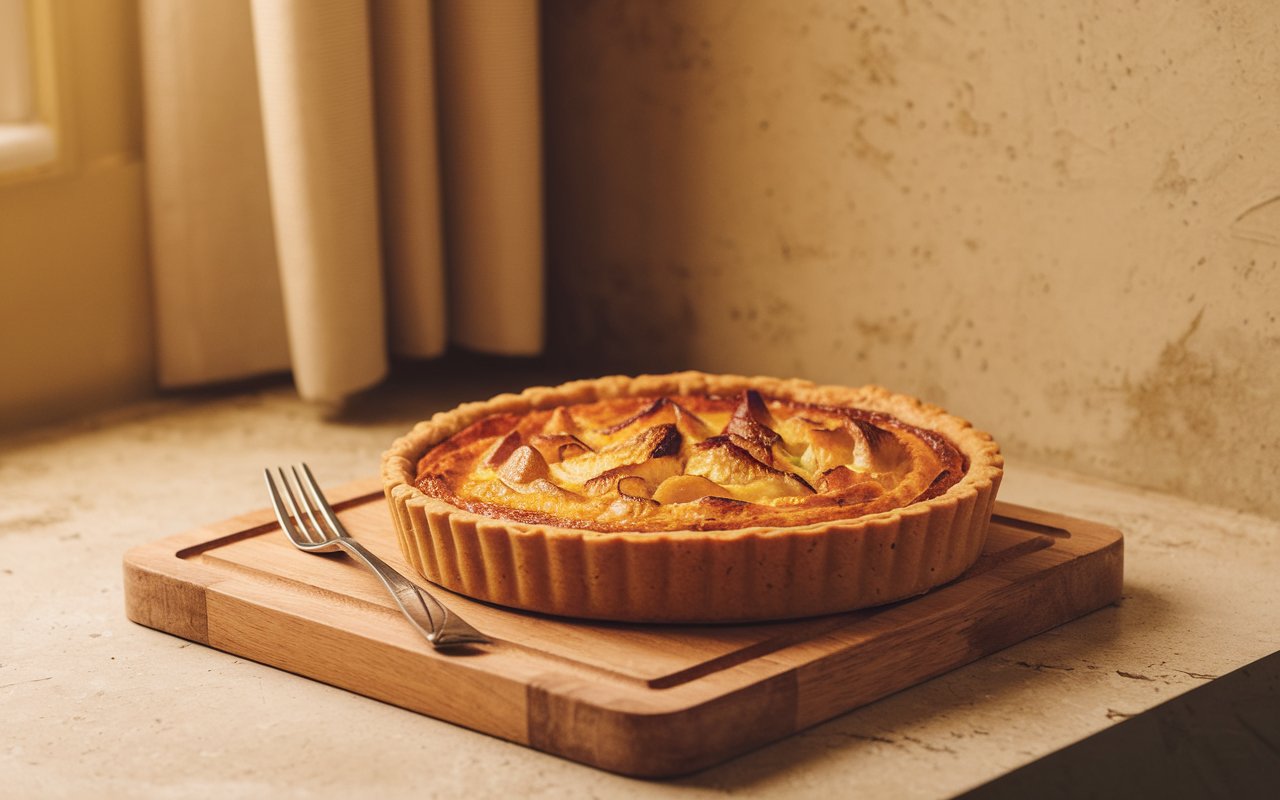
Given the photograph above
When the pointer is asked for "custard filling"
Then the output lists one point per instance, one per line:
(688, 462)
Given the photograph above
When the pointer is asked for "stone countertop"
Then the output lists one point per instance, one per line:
(94, 703)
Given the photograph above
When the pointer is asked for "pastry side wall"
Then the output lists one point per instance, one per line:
(1062, 222)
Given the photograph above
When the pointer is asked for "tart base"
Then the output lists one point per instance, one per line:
(750, 574)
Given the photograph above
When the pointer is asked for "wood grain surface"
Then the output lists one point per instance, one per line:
(644, 700)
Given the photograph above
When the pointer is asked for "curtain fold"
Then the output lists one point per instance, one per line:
(316, 90)
(334, 182)
(490, 124)
(218, 304)
(413, 231)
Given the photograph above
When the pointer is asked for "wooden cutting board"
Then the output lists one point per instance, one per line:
(645, 700)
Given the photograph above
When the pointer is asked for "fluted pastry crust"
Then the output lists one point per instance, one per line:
(791, 551)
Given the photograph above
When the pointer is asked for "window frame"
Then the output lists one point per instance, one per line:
(31, 144)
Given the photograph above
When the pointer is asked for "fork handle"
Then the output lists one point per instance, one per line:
(433, 620)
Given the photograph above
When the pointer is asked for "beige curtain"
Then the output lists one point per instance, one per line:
(334, 181)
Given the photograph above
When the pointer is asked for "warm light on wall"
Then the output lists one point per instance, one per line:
(75, 330)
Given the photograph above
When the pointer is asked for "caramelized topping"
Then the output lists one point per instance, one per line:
(689, 463)
(559, 446)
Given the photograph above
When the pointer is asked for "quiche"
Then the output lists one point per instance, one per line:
(692, 497)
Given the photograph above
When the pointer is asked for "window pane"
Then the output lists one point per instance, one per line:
(15, 63)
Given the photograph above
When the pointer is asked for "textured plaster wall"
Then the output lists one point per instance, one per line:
(1059, 220)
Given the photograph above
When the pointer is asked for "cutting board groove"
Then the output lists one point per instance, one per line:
(645, 700)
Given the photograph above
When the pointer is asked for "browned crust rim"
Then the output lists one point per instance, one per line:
(419, 518)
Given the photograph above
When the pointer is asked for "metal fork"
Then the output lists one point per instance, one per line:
(309, 522)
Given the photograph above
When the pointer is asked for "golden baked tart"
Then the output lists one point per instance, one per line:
(692, 497)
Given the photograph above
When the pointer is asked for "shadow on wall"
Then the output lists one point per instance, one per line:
(625, 183)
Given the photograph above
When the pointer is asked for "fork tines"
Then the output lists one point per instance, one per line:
(308, 505)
